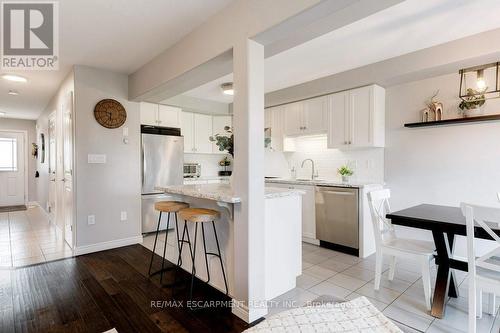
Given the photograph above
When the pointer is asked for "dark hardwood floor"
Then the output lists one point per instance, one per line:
(104, 290)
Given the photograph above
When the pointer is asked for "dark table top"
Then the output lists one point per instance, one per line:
(435, 217)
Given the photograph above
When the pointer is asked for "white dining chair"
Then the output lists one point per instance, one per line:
(387, 243)
(484, 271)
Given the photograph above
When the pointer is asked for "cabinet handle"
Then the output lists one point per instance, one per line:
(349, 142)
(345, 142)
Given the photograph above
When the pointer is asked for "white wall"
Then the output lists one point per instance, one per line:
(438, 165)
(104, 190)
(29, 127)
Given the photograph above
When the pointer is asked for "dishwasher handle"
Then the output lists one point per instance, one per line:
(327, 190)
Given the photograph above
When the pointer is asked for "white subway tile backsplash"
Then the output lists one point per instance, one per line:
(368, 164)
(209, 163)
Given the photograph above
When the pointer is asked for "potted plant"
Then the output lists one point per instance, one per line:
(472, 103)
(345, 172)
(224, 141)
(224, 163)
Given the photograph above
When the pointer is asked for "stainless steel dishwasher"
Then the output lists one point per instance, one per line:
(337, 218)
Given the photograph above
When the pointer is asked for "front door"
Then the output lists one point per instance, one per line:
(12, 172)
(52, 167)
(67, 127)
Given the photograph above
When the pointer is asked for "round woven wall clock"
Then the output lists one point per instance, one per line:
(110, 113)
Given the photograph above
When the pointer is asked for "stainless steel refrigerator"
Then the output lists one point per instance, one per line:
(162, 156)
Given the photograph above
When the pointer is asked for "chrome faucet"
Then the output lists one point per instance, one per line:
(313, 175)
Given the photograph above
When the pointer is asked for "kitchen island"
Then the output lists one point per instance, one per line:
(282, 243)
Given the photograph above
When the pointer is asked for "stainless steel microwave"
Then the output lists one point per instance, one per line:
(192, 170)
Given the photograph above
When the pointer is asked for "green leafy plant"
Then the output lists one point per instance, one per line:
(473, 100)
(345, 171)
(224, 141)
(225, 162)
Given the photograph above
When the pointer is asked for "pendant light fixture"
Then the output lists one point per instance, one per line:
(480, 80)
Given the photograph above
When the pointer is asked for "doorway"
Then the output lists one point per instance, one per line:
(67, 194)
(13, 182)
(52, 135)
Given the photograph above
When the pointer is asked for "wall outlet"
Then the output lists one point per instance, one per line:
(123, 216)
(91, 219)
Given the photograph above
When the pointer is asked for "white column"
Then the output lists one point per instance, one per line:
(248, 179)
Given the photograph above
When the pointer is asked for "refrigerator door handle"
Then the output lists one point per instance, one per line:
(143, 165)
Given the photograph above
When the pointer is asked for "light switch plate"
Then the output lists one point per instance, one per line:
(123, 216)
(96, 158)
(91, 219)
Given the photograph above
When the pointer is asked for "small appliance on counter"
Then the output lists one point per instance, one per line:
(162, 155)
(192, 170)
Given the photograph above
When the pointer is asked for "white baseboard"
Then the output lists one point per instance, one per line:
(244, 313)
(33, 204)
(79, 250)
(310, 240)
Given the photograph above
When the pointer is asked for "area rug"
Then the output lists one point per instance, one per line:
(358, 315)
(7, 209)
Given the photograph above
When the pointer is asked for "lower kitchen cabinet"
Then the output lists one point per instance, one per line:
(308, 210)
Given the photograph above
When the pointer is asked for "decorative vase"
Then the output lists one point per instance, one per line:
(345, 179)
(473, 112)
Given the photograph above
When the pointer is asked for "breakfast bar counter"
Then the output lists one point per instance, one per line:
(281, 241)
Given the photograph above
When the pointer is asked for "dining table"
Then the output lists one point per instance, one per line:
(445, 223)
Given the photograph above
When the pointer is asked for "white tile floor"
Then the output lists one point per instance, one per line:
(28, 237)
(327, 272)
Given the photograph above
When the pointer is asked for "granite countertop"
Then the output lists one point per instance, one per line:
(222, 192)
(319, 182)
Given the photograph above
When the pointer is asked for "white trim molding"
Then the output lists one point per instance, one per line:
(242, 311)
(79, 250)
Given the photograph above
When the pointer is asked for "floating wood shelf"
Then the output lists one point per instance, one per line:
(455, 121)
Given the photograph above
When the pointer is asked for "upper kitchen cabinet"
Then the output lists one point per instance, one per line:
(169, 116)
(160, 115)
(273, 122)
(218, 124)
(357, 118)
(306, 117)
(196, 129)
(315, 115)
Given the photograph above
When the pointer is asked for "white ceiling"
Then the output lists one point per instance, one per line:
(404, 28)
(117, 35)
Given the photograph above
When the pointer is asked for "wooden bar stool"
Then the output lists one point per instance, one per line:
(200, 216)
(166, 207)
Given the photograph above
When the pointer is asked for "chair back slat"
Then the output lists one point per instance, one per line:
(485, 217)
(379, 208)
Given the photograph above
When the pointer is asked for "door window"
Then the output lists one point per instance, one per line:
(8, 154)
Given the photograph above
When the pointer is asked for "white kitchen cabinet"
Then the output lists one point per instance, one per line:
(315, 115)
(357, 118)
(160, 115)
(149, 114)
(187, 131)
(169, 116)
(202, 133)
(308, 209)
(218, 124)
(196, 128)
(274, 121)
(293, 124)
(306, 117)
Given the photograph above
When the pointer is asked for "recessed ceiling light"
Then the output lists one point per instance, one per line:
(227, 88)
(13, 93)
(14, 78)
(2, 113)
